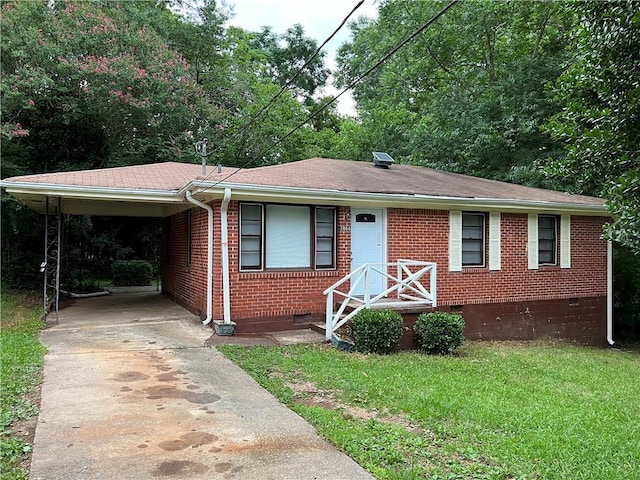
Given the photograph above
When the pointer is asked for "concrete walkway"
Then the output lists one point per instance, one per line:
(132, 391)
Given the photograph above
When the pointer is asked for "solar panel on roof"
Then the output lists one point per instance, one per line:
(382, 156)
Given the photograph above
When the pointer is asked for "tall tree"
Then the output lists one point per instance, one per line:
(89, 85)
(600, 123)
(287, 53)
(468, 94)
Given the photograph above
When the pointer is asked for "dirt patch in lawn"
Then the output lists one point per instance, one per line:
(308, 394)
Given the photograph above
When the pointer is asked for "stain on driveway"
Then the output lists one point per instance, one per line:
(131, 392)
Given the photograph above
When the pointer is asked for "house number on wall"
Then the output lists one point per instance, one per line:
(345, 228)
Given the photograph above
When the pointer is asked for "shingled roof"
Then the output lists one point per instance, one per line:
(155, 182)
(168, 177)
(364, 177)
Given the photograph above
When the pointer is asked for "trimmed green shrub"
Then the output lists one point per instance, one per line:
(439, 332)
(377, 331)
(128, 273)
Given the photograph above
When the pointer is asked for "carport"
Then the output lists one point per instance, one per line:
(152, 191)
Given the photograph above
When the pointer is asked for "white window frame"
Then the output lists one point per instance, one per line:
(482, 239)
(267, 237)
(554, 251)
(455, 241)
(562, 251)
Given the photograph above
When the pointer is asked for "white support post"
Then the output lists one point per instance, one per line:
(367, 297)
(433, 284)
(329, 316)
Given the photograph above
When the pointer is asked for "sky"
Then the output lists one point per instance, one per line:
(318, 18)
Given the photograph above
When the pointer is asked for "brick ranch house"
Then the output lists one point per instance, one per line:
(261, 247)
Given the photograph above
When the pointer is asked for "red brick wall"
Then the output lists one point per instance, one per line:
(413, 234)
(281, 293)
(254, 295)
(186, 283)
(429, 242)
(577, 320)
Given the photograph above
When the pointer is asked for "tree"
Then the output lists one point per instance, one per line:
(599, 124)
(103, 83)
(286, 53)
(468, 94)
(87, 85)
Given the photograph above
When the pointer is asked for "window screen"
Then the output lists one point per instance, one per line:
(251, 237)
(547, 240)
(473, 239)
(325, 237)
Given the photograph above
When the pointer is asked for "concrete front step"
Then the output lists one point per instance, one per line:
(320, 327)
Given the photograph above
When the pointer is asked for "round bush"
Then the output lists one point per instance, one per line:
(128, 273)
(377, 331)
(439, 332)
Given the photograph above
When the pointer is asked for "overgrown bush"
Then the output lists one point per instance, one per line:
(377, 331)
(128, 273)
(439, 332)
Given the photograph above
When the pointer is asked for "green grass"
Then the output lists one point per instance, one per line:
(21, 356)
(496, 411)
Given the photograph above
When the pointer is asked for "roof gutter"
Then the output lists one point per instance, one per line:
(209, 254)
(100, 193)
(306, 195)
(302, 195)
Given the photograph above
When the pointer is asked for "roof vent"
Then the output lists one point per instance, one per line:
(382, 160)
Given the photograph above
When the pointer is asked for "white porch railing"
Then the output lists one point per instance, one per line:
(410, 291)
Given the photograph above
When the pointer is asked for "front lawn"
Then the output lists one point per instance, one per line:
(21, 356)
(496, 411)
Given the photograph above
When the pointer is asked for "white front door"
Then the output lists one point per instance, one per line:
(368, 245)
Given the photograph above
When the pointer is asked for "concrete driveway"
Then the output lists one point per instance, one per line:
(131, 391)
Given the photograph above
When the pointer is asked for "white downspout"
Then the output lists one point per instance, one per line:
(610, 292)
(226, 296)
(209, 254)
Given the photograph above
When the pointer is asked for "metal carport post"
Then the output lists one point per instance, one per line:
(51, 264)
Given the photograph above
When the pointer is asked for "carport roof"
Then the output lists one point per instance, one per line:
(151, 190)
(165, 177)
(158, 189)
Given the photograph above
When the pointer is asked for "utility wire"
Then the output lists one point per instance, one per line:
(348, 87)
(288, 84)
(297, 74)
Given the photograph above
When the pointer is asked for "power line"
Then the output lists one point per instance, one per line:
(296, 75)
(315, 54)
(348, 87)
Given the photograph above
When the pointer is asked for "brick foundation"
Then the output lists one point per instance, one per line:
(581, 321)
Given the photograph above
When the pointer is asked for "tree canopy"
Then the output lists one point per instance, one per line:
(468, 95)
(88, 85)
(600, 121)
(105, 83)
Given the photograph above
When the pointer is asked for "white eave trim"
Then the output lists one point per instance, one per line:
(302, 195)
(211, 190)
(93, 193)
